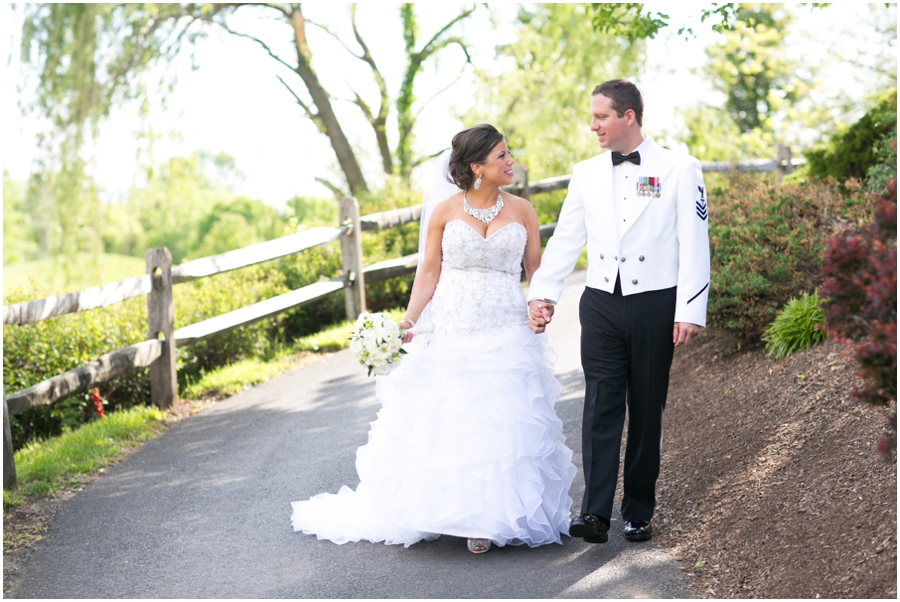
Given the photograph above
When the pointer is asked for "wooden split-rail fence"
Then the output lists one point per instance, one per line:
(158, 351)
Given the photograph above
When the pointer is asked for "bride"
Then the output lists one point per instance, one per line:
(466, 442)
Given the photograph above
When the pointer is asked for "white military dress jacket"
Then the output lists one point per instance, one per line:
(665, 245)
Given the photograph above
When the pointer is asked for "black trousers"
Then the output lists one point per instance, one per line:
(626, 354)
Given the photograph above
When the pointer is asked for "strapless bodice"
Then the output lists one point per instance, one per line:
(479, 288)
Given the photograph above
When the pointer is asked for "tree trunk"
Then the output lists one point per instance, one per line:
(345, 155)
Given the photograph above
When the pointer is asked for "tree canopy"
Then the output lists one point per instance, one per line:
(89, 56)
(544, 95)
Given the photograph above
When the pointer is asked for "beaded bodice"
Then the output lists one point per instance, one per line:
(479, 288)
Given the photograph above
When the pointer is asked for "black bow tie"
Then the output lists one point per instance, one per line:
(634, 157)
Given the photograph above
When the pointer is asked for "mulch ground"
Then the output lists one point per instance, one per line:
(770, 485)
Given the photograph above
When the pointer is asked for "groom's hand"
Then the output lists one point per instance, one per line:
(540, 313)
(683, 333)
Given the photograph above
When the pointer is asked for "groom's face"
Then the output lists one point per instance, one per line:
(612, 131)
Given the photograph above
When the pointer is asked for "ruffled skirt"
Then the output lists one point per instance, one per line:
(466, 444)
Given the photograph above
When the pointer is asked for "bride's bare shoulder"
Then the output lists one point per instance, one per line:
(521, 206)
(447, 207)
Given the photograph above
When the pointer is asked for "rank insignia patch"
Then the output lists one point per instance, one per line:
(701, 204)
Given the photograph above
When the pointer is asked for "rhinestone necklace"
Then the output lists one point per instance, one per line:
(483, 215)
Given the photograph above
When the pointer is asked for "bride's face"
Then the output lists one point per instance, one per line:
(497, 168)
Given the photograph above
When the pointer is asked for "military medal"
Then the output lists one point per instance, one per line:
(649, 186)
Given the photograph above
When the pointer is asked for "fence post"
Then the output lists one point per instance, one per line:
(520, 178)
(352, 259)
(784, 160)
(9, 461)
(161, 324)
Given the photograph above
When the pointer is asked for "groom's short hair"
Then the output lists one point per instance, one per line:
(624, 95)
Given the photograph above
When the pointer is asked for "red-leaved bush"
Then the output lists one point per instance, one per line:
(860, 304)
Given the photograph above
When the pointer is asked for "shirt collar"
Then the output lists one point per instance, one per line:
(644, 147)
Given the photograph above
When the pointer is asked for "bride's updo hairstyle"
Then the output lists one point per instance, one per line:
(471, 146)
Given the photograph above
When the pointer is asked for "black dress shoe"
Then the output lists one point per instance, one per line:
(638, 530)
(589, 527)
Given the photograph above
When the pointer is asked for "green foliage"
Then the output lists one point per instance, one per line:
(885, 167)
(237, 223)
(35, 352)
(121, 231)
(390, 243)
(415, 60)
(209, 297)
(555, 67)
(50, 274)
(176, 200)
(712, 135)
(627, 20)
(766, 245)
(752, 69)
(67, 46)
(90, 57)
(306, 268)
(770, 97)
(43, 467)
(796, 327)
(853, 152)
(311, 211)
(19, 242)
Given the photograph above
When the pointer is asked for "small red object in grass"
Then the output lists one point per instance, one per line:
(97, 403)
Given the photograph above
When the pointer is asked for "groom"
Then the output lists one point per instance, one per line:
(641, 210)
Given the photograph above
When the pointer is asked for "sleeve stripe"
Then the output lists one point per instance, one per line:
(698, 294)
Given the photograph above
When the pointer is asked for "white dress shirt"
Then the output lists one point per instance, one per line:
(625, 177)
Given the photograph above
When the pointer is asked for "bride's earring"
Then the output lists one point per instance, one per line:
(477, 183)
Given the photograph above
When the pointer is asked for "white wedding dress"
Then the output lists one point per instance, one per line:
(467, 442)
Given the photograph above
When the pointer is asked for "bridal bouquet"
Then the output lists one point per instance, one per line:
(376, 343)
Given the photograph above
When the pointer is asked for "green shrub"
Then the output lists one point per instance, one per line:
(885, 168)
(209, 297)
(35, 352)
(766, 245)
(798, 326)
(851, 153)
(39, 351)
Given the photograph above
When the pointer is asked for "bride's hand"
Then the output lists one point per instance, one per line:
(407, 335)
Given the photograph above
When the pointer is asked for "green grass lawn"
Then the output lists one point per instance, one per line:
(46, 466)
(83, 271)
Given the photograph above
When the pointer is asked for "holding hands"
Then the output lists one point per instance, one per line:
(540, 313)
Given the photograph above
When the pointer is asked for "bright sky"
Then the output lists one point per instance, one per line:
(234, 103)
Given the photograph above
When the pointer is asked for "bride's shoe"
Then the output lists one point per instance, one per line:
(479, 546)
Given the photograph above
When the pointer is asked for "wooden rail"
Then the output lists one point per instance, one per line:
(258, 311)
(83, 378)
(158, 351)
(258, 253)
(89, 298)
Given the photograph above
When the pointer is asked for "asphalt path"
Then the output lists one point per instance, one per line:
(203, 511)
